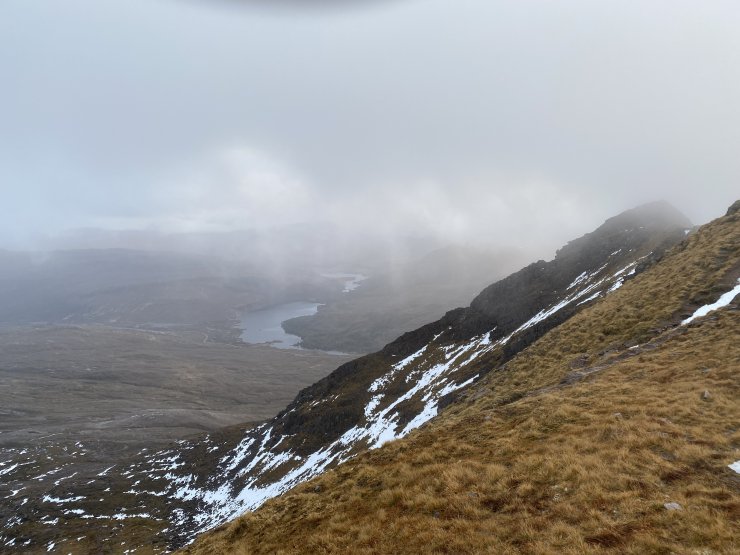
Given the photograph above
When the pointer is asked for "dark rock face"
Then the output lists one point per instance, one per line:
(507, 303)
(645, 232)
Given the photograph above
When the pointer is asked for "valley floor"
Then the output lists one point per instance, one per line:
(140, 387)
(77, 400)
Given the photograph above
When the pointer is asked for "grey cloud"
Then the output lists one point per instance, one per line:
(472, 119)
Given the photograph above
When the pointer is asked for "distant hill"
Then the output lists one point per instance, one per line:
(184, 287)
(123, 287)
(412, 294)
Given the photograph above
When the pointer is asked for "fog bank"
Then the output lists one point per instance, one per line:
(476, 122)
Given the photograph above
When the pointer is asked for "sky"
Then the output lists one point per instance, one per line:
(484, 121)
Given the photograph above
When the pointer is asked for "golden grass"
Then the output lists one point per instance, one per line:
(530, 464)
(578, 469)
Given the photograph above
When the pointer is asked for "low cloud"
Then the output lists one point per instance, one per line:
(235, 187)
(475, 121)
(240, 187)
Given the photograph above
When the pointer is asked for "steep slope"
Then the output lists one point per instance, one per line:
(613, 432)
(166, 498)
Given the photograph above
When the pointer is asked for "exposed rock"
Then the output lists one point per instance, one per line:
(673, 507)
(506, 304)
(579, 362)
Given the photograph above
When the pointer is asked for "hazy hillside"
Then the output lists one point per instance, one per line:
(414, 293)
(207, 281)
(124, 287)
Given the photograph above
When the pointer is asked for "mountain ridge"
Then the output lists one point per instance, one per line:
(612, 433)
(377, 398)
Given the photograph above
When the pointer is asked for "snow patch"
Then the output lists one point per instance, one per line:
(388, 377)
(372, 405)
(723, 301)
(106, 470)
(58, 500)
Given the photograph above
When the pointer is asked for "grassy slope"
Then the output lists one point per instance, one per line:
(547, 457)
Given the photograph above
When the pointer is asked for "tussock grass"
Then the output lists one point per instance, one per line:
(543, 460)
(579, 469)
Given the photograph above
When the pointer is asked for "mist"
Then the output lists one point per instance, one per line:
(478, 122)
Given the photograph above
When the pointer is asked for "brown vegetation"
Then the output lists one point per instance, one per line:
(574, 446)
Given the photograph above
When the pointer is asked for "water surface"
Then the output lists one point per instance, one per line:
(265, 326)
